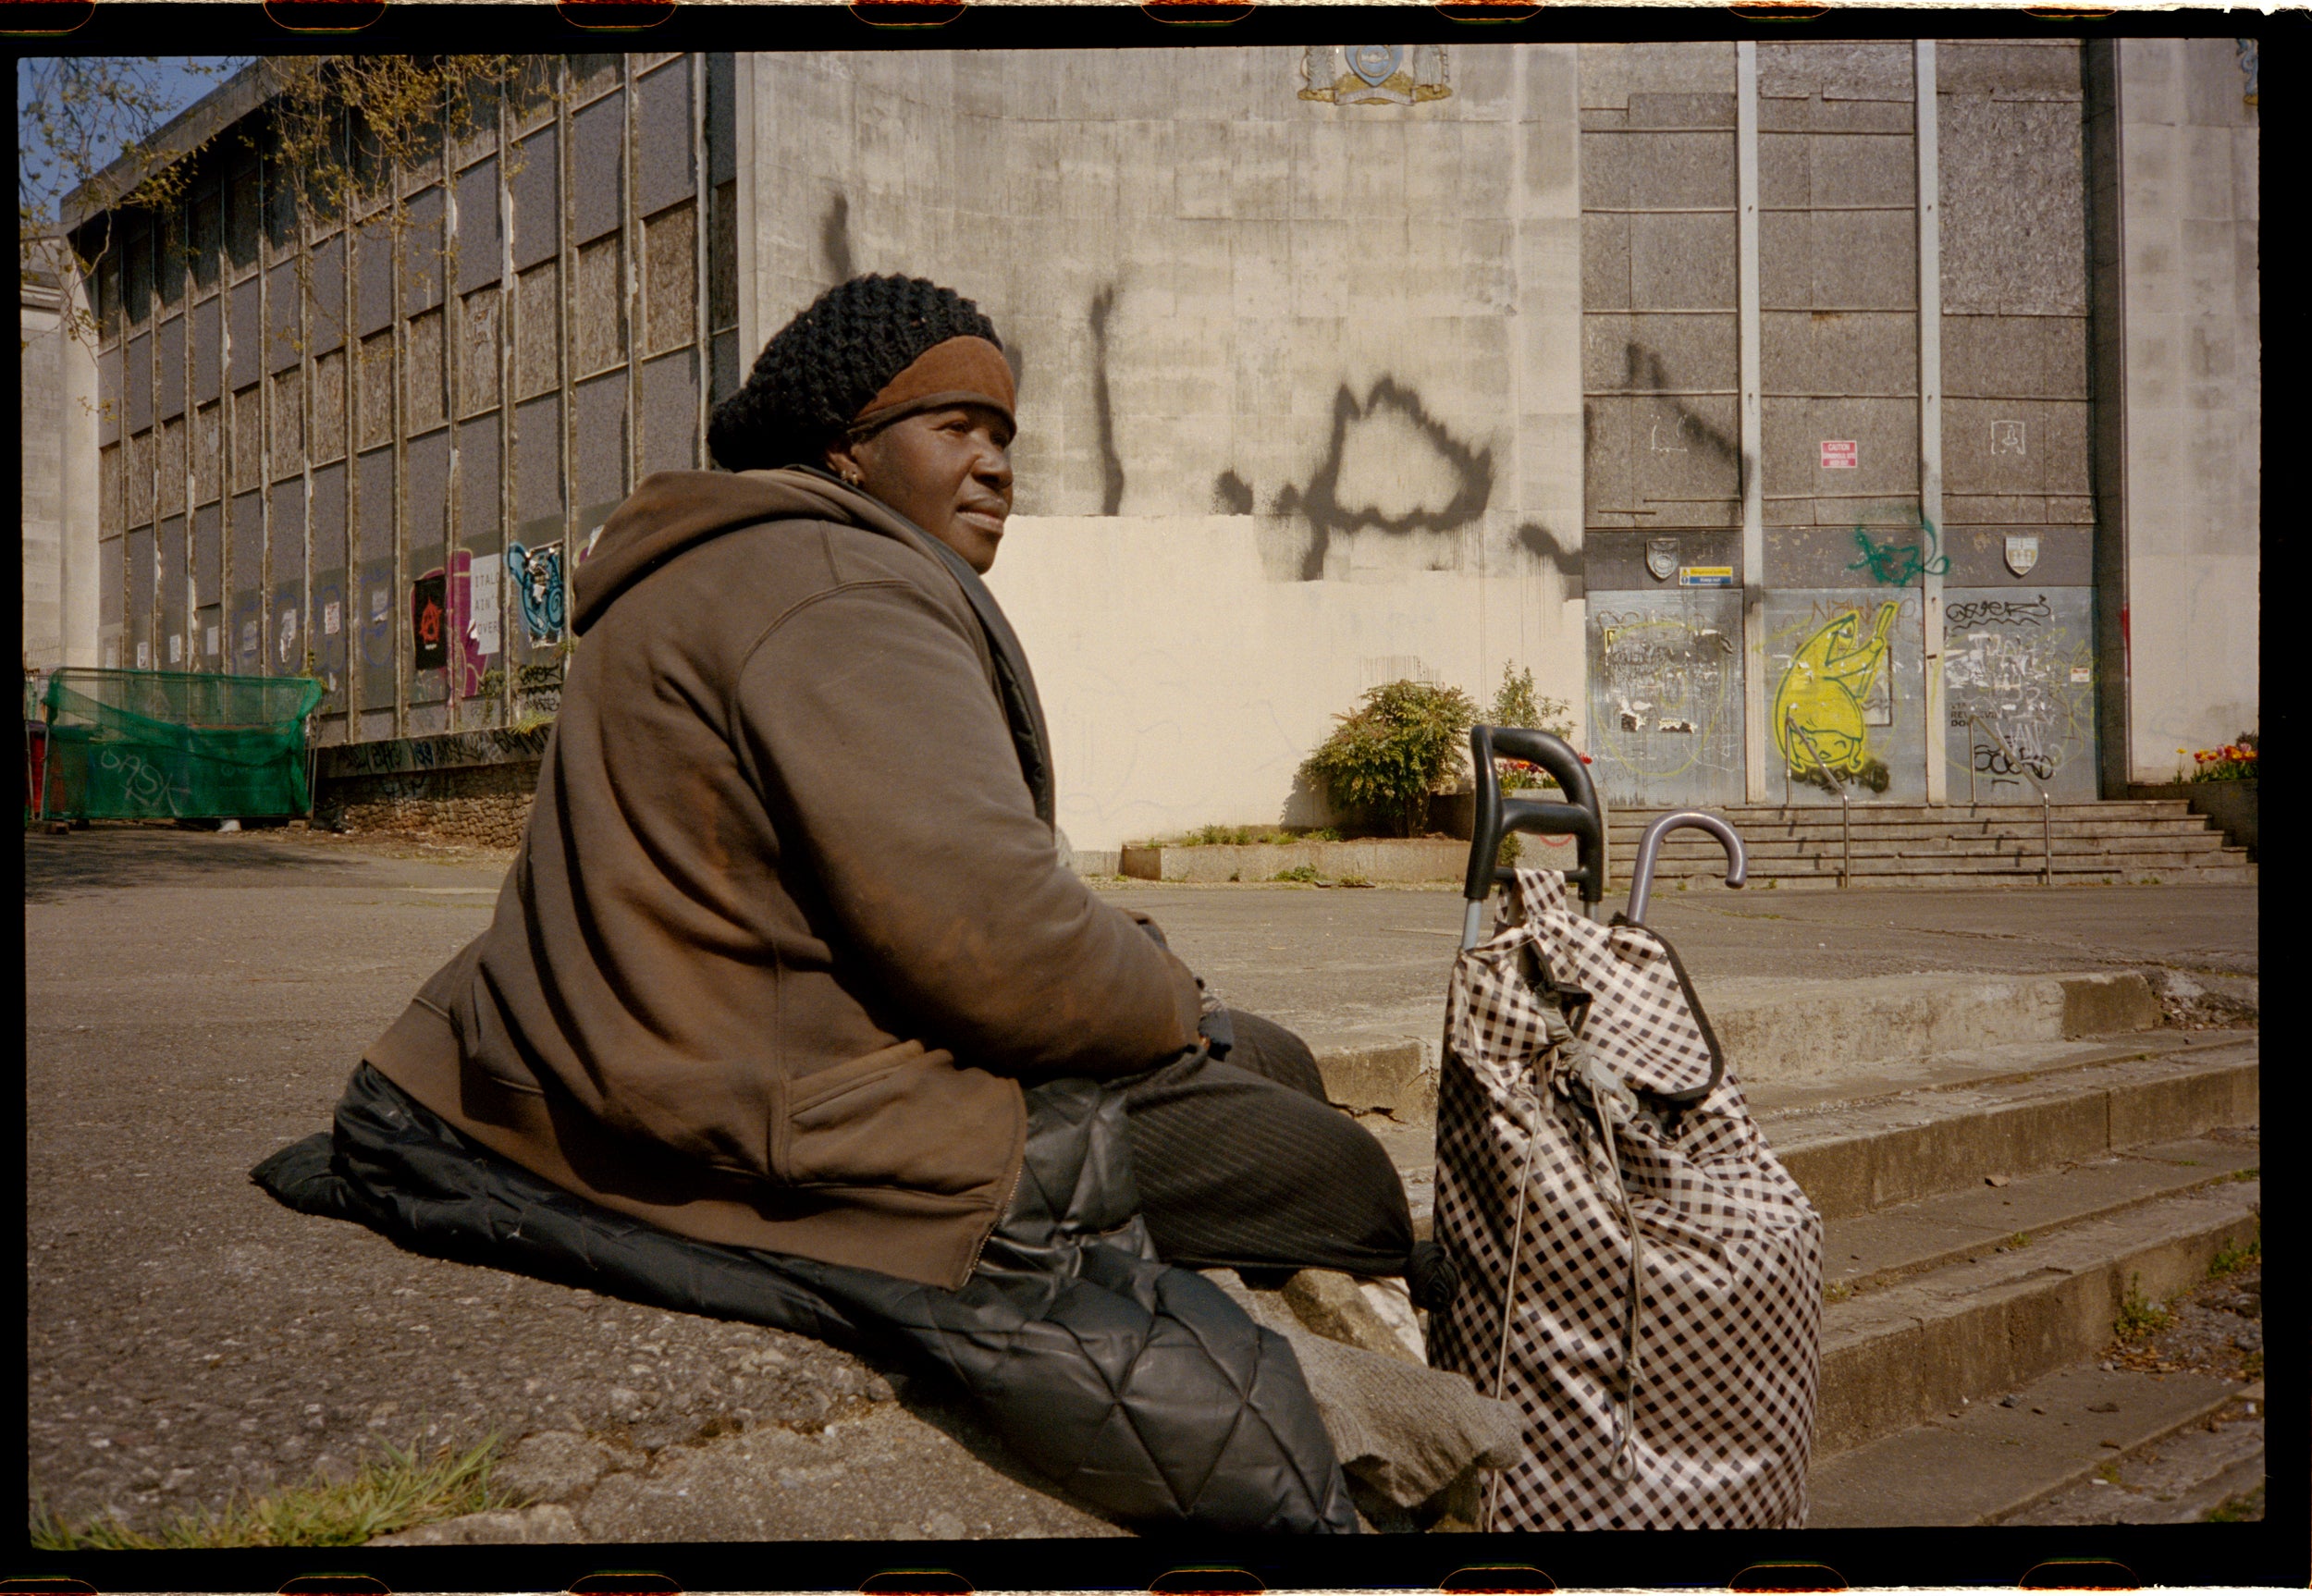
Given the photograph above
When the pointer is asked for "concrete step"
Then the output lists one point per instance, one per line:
(1919, 1128)
(1817, 827)
(2232, 870)
(1906, 1353)
(1776, 1030)
(1744, 815)
(2069, 1438)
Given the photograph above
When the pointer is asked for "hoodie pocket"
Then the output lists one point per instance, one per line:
(902, 1116)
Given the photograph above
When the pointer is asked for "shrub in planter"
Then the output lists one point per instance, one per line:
(1517, 705)
(1403, 743)
(2235, 761)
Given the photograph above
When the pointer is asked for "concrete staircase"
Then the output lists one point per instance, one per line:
(1947, 845)
(1989, 1213)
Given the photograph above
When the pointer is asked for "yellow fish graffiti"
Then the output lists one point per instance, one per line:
(1824, 690)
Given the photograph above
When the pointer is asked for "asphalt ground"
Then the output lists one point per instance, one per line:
(195, 1000)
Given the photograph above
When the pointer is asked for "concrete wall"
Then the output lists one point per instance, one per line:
(1300, 401)
(40, 372)
(2187, 173)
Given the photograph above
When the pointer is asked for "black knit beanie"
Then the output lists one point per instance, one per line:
(823, 367)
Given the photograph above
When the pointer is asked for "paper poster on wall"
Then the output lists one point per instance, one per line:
(212, 642)
(481, 607)
(537, 575)
(144, 655)
(175, 648)
(332, 616)
(249, 637)
(429, 622)
(380, 605)
(287, 632)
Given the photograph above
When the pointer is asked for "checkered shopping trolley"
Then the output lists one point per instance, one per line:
(1639, 1273)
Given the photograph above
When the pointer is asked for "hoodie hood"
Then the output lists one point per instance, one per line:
(672, 510)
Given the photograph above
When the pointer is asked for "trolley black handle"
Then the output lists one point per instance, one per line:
(1495, 817)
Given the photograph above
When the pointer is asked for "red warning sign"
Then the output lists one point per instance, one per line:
(1838, 454)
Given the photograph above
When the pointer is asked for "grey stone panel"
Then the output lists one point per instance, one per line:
(2021, 357)
(1836, 69)
(1614, 562)
(1609, 498)
(173, 574)
(532, 181)
(599, 469)
(1683, 262)
(2014, 218)
(1671, 170)
(246, 530)
(726, 367)
(108, 396)
(1785, 180)
(481, 499)
(2009, 68)
(1828, 353)
(2014, 447)
(1979, 556)
(285, 623)
(208, 555)
(1995, 509)
(372, 276)
(479, 247)
(1604, 261)
(1858, 703)
(169, 386)
(1715, 111)
(1666, 696)
(721, 112)
(139, 620)
(1838, 261)
(1814, 116)
(1686, 458)
(208, 349)
(2020, 659)
(1612, 74)
(326, 278)
(1885, 432)
(668, 403)
(1863, 170)
(421, 251)
(425, 509)
(538, 459)
(2214, 88)
(137, 395)
(598, 157)
(1622, 353)
(372, 505)
(329, 514)
(243, 312)
(662, 113)
(372, 623)
(283, 296)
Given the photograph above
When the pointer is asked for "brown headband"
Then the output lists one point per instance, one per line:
(958, 370)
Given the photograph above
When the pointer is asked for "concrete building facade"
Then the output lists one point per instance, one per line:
(1794, 434)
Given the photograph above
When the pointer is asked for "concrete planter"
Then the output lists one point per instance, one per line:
(2230, 805)
(1374, 859)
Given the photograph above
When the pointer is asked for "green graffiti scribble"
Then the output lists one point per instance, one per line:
(1891, 565)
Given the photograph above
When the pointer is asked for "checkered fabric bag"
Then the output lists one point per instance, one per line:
(1578, 1152)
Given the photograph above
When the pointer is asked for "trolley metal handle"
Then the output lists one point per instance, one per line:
(1495, 817)
(1649, 845)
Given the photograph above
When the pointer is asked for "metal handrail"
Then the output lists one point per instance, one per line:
(2047, 812)
(1846, 802)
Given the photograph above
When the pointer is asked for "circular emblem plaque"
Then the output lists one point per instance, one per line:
(1375, 63)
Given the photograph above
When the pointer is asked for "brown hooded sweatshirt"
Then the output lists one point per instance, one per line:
(785, 932)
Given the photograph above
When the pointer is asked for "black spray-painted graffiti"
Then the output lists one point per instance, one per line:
(1893, 565)
(1319, 498)
(1541, 544)
(1111, 462)
(451, 751)
(1643, 372)
(1231, 494)
(1998, 611)
(834, 237)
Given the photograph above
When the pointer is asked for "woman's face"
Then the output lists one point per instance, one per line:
(949, 471)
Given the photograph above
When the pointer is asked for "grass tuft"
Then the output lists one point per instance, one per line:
(400, 1492)
(2233, 1259)
(1298, 873)
(2139, 1318)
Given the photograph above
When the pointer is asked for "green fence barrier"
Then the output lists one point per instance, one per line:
(139, 745)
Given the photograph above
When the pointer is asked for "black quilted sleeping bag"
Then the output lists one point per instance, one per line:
(1133, 1386)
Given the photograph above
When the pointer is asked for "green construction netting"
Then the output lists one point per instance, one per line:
(133, 744)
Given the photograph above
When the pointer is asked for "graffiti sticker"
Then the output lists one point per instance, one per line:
(537, 577)
(1836, 689)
